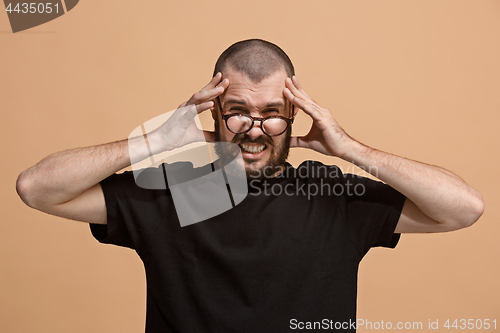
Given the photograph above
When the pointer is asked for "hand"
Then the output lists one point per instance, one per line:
(325, 136)
(180, 129)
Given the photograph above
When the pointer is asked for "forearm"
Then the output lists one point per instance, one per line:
(437, 192)
(64, 175)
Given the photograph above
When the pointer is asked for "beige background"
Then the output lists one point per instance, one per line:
(419, 79)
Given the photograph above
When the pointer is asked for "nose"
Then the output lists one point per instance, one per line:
(256, 130)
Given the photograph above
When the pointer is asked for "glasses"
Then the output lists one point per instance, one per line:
(239, 123)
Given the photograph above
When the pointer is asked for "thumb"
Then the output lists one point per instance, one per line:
(298, 141)
(209, 136)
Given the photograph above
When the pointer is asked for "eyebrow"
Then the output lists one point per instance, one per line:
(239, 102)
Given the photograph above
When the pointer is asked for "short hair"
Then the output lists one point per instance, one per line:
(255, 58)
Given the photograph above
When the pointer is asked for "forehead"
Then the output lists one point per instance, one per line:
(257, 95)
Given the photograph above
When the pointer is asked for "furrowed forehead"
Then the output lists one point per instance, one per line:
(277, 103)
(239, 82)
(244, 92)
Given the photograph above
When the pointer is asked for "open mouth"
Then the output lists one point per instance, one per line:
(252, 148)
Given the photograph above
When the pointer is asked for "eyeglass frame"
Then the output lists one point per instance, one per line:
(225, 117)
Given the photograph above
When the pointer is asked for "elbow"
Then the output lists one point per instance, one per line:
(478, 209)
(24, 189)
(474, 211)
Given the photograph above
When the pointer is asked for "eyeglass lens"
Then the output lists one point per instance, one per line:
(271, 126)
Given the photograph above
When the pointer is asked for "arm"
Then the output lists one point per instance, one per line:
(67, 183)
(437, 200)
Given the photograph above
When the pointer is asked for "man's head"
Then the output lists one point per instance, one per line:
(255, 58)
(256, 70)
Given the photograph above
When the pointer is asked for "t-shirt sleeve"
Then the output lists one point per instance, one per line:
(132, 212)
(372, 211)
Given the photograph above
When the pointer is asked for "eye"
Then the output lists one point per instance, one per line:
(237, 110)
(235, 113)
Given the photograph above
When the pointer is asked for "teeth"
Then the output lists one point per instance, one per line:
(252, 149)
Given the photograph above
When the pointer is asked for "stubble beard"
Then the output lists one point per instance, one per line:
(274, 164)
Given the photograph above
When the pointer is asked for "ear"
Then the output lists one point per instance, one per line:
(215, 109)
(214, 112)
(294, 110)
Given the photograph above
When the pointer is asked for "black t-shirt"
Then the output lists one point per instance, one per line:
(286, 256)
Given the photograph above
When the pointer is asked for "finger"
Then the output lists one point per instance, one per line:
(204, 106)
(300, 103)
(312, 109)
(215, 80)
(291, 86)
(208, 94)
(187, 114)
(182, 105)
(224, 83)
(296, 82)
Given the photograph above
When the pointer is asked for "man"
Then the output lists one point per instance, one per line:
(278, 260)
